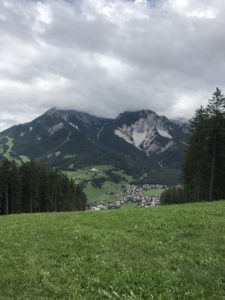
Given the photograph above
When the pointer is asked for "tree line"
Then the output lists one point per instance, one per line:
(33, 187)
(203, 173)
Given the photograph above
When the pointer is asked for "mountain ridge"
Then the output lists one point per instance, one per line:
(134, 141)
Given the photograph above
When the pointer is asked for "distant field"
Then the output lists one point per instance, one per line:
(87, 173)
(170, 252)
(153, 192)
(79, 175)
(24, 158)
(8, 145)
(109, 190)
(6, 148)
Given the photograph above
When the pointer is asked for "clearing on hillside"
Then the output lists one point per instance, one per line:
(103, 183)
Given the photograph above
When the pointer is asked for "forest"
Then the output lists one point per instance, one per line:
(203, 173)
(33, 187)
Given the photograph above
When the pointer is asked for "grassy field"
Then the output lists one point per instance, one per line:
(153, 192)
(170, 252)
(87, 173)
(9, 145)
(80, 175)
(6, 148)
(109, 190)
(24, 158)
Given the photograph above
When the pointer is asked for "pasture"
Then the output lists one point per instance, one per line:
(167, 252)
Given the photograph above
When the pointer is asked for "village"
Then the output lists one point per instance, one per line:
(135, 194)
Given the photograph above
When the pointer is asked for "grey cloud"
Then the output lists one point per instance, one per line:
(105, 57)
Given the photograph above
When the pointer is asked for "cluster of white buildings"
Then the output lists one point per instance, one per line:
(136, 194)
(132, 194)
(103, 205)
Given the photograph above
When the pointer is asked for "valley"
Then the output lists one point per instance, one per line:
(103, 155)
(101, 183)
(139, 146)
(104, 184)
(112, 150)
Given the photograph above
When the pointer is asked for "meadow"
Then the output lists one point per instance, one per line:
(153, 192)
(109, 190)
(166, 252)
(6, 150)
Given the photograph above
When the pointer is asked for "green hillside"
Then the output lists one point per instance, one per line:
(71, 140)
(153, 192)
(170, 252)
(102, 183)
(6, 150)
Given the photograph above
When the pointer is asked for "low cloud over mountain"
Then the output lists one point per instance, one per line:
(137, 142)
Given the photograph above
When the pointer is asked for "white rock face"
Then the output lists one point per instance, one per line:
(124, 135)
(164, 133)
(142, 134)
(38, 138)
(57, 153)
(55, 128)
(74, 126)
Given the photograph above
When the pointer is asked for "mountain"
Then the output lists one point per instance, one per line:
(137, 142)
(157, 138)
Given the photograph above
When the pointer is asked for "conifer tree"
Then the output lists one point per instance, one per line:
(204, 165)
(203, 171)
(34, 187)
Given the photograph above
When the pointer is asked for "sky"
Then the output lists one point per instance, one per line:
(108, 56)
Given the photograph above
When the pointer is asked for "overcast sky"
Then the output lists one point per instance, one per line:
(108, 56)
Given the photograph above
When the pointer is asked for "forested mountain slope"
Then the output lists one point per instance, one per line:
(134, 141)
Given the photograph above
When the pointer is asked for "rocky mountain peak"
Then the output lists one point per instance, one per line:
(145, 130)
(68, 137)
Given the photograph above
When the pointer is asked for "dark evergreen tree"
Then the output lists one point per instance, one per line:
(216, 140)
(204, 165)
(5, 186)
(175, 195)
(195, 168)
(32, 187)
(203, 172)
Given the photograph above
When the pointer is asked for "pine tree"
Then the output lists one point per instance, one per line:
(195, 164)
(33, 187)
(203, 171)
(5, 184)
(216, 138)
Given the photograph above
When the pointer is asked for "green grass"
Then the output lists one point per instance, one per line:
(7, 153)
(102, 194)
(79, 175)
(153, 192)
(129, 205)
(2, 145)
(9, 143)
(170, 252)
(103, 167)
(86, 173)
(124, 175)
(24, 158)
